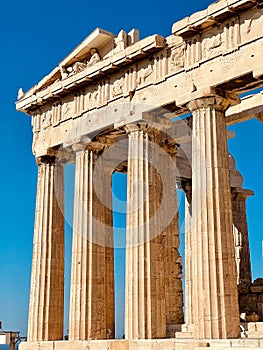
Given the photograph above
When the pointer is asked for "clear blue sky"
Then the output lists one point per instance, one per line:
(35, 37)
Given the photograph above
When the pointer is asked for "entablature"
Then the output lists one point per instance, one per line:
(226, 56)
(129, 76)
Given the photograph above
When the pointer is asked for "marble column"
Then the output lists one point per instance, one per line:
(170, 237)
(46, 309)
(188, 257)
(92, 275)
(240, 232)
(137, 281)
(153, 265)
(214, 289)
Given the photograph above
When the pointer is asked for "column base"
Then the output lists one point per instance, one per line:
(152, 344)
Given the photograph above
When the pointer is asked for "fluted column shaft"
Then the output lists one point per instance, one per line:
(46, 309)
(137, 288)
(240, 232)
(92, 279)
(188, 264)
(169, 233)
(156, 244)
(153, 294)
(215, 307)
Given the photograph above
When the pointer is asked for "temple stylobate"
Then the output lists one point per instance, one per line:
(156, 109)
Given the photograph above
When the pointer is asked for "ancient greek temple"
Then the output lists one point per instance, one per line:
(156, 109)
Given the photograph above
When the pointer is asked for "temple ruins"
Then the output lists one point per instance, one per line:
(158, 110)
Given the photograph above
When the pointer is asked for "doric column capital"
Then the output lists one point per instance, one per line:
(78, 147)
(142, 126)
(46, 159)
(51, 160)
(96, 147)
(53, 156)
(215, 102)
(238, 192)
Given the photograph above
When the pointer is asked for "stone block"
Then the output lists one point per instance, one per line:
(254, 335)
(251, 326)
(46, 345)
(243, 289)
(258, 282)
(140, 344)
(205, 346)
(65, 345)
(43, 345)
(97, 345)
(222, 348)
(245, 343)
(119, 345)
(89, 345)
(256, 289)
(28, 346)
(158, 344)
(225, 343)
(163, 344)
(187, 327)
(255, 326)
(184, 335)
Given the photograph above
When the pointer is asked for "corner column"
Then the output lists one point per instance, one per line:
(46, 308)
(215, 295)
(92, 275)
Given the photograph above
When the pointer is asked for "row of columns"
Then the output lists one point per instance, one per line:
(153, 294)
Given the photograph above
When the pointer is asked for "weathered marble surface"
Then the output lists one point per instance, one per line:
(111, 99)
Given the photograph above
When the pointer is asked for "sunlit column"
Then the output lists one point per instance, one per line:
(46, 310)
(92, 287)
(188, 257)
(214, 289)
(153, 295)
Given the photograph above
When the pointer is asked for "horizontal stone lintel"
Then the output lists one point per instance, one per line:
(248, 108)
